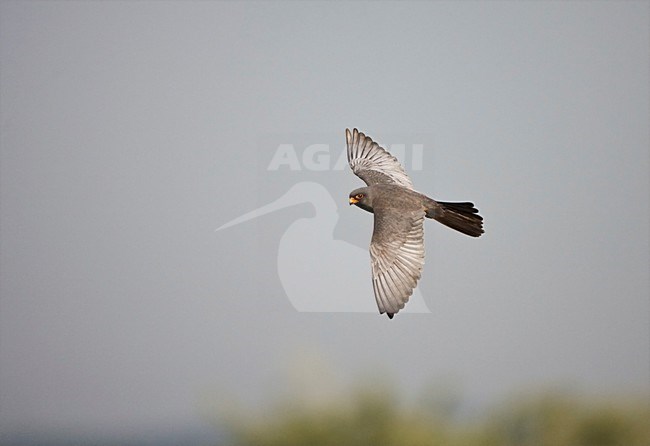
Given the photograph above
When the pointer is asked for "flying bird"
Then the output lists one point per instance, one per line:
(397, 244)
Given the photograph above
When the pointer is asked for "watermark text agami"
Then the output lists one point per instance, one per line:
(319, 157)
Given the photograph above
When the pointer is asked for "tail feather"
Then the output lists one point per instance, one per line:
(462, 217)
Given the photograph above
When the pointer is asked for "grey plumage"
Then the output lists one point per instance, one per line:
(397, 244)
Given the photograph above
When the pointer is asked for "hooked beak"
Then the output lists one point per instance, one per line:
(353, 201)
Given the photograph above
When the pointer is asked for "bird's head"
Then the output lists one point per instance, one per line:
(362, 197)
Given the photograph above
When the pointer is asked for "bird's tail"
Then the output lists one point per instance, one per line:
(462, 217)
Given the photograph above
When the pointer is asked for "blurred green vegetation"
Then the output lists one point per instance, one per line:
(367, 417)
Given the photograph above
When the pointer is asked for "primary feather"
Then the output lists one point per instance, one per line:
(372, 163)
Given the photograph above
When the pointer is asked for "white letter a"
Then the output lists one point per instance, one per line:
(285, 154)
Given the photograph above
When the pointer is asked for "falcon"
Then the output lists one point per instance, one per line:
(397, 244)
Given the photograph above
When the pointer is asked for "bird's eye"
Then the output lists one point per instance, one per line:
(359, 196)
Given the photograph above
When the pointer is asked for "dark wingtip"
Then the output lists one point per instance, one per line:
(390, 315)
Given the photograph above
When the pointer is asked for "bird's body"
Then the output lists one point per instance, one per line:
(390, 195)
(397, 245)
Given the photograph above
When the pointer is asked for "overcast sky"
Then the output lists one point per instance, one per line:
(130, 131)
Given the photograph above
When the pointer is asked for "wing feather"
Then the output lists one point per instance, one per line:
(380, 303)
(372, 163)
(397, 257)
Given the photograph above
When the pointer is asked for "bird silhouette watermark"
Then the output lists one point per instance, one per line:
(319, 272)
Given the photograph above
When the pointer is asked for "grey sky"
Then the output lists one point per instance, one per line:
(130, 131)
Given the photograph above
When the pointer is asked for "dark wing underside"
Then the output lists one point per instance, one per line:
(397, 257)
(373, 164)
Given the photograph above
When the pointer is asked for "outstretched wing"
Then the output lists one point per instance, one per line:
(373, 164)
(397, 257)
